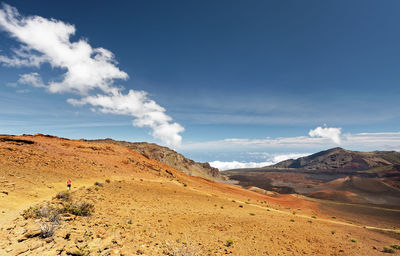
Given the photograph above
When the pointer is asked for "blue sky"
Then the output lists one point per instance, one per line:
(222, 70)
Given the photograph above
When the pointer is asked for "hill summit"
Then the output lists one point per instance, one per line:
(171, 158)
(342, 159)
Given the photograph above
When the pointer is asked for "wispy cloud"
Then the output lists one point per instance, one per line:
(32, 79)
(87, 70)
(359, 141)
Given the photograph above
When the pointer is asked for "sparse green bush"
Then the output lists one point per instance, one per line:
(64, 196)
(31, 212)
(79, 208)
(98, 184)
(387, 249)
(82, 251)
(44, 211)
(395, 246)
(333, 232)
(353, 240)
(108, 181)
(291, 220)
(229, 242)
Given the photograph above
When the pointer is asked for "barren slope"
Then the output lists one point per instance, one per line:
(150, 208)
(171, 158)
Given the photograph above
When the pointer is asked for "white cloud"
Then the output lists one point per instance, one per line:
(283, 157)
(32, 79)
(222, 166)
(47, 40)
(87, 69)
(137, 104)
(327, 132)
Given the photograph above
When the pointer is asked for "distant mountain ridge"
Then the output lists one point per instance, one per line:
(341, 159)
(171, 158)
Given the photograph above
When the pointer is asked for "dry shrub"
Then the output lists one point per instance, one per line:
(47, 230)
(32, 212)
(184, 250)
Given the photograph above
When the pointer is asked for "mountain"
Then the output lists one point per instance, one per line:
(171, 158)
(343, 160)
(368, 178)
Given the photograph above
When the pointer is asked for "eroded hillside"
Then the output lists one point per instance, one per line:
(171, 158)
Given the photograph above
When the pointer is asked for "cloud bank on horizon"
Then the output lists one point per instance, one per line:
(318, 139)
(271, 159)
(89, 72)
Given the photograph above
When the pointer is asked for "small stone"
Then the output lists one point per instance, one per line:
(35, 245)
(49, 239)
(20, 249)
